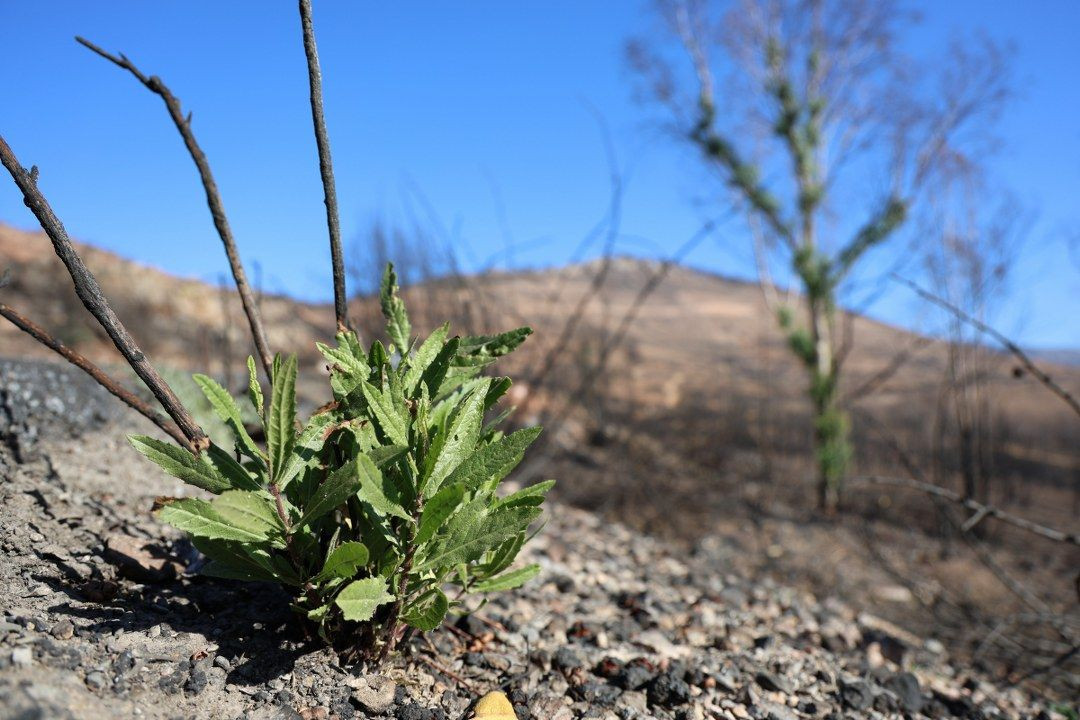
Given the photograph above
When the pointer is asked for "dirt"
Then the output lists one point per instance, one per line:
(103, 616)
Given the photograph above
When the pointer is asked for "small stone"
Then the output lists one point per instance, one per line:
(223, 662)
(196, 682)
(773, 683)
(855, 694)
(566, 660)
(412, 711)
(96, 681)
(22, 656)
(906, 688)
(374, 693)
(63, 630)
(667, 691)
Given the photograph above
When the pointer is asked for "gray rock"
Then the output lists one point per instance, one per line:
(374, 693)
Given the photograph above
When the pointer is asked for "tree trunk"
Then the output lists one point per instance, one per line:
(831, 443)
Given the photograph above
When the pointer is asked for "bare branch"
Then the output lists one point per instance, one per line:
(975, 506)
(326, 166)
(131, 399)
(1009, 345)
(88, 290)
(213, 195)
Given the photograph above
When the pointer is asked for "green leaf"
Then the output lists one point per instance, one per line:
(199, 518)
(253, 511)
(335, 490)
(508, 580)
(437, 509)
(428, 611)
(305, 449)
(383, 455)
(458, 442)
(255, 393)
(483, 349)
(226, 409)
(382, 407)
(435, 373)
(359, 599)
(393, 309)
(373, 489)
(180, 463)
(426, 354)
(234, 473)
(469, 537)
(491, 463)
(502, 556)
(346, 369)
(241, 561)
(281, 420)
(530, 496)
(343, 562)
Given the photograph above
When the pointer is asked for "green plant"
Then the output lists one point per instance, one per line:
(382, 500)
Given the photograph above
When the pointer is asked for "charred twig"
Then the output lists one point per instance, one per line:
(213, 196)
(89, 292)
(326, 166)
(975, 506)
(113, 386)
(1009, 345)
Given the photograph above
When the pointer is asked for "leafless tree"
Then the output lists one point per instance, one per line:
(827, 134)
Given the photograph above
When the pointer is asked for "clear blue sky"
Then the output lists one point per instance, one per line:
(452, 99)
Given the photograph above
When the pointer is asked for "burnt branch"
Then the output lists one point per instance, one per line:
(89, 292)
(213, 196)
(326, 166)
(979, 509)
(1009, 345)
(113, 386)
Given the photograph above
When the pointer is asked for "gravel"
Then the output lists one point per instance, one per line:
(618, 626)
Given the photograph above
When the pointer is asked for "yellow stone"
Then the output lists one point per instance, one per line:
(494, 706)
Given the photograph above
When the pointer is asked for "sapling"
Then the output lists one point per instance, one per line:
(382, 500)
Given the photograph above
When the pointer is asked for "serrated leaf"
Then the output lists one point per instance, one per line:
(502, 556)
(530, 496)
(255, 393)
(491, 463)
(508, 580)
(281, 420)
(435, 373)
(335, 490)
(428, 611)
(306, 448)
(437, 509)
(249, 510)
(180, 463)
(360, 598)
(226, 409)
(468, 537)
(382, 407)
(253, 562)
(458, 442)
(200, 519)
(343, 562)
(393, 309)
(374, 489)
(484, 349)
(234, 473)
(426, 354)
(385, 454)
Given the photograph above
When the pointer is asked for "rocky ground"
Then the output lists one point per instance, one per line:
(100, 617)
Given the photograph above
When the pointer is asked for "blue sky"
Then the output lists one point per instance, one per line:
(451, 102)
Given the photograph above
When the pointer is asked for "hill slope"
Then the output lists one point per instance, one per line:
(697, 428)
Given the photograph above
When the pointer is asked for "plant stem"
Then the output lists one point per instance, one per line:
(326, 165)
